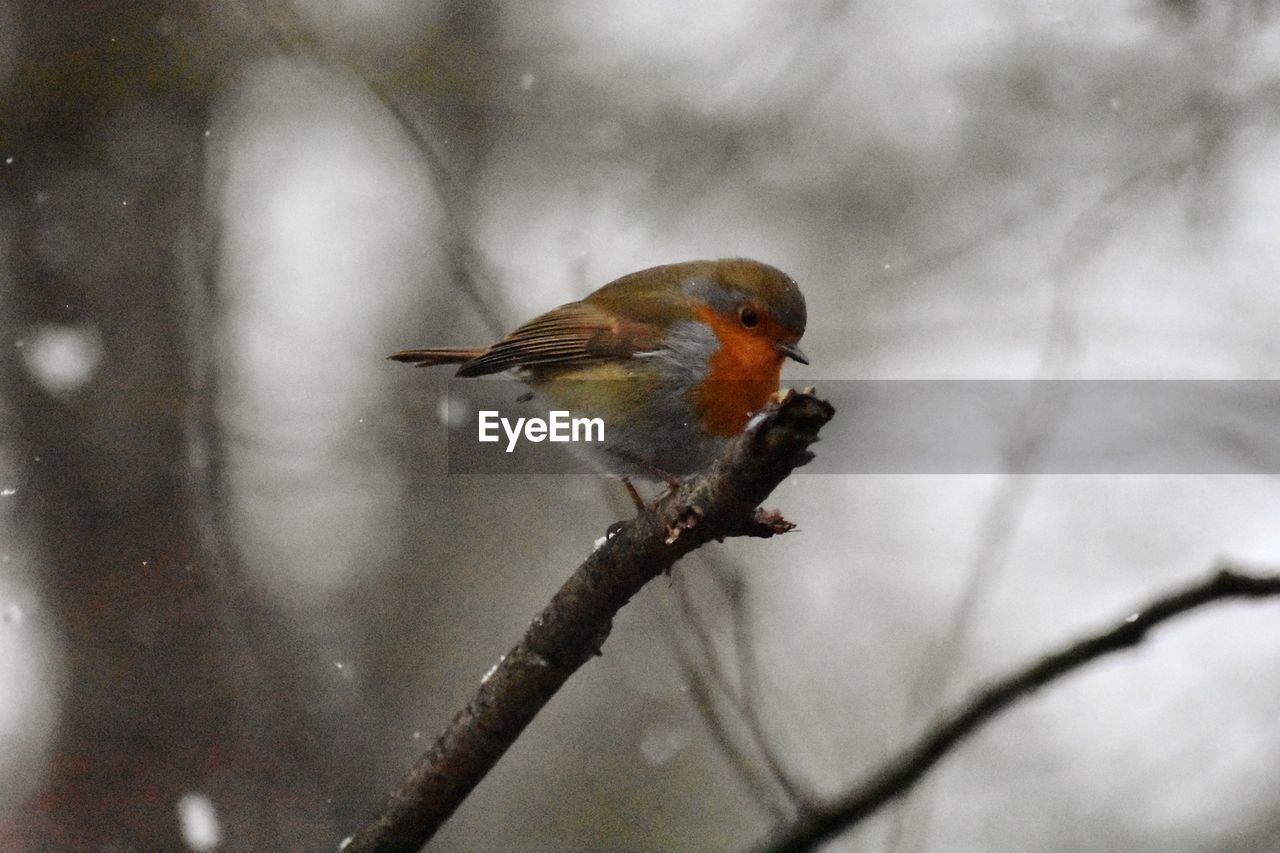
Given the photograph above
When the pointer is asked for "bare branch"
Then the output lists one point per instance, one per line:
(291, 36)
(1087, 234)
(900, 773)
(747, 701)
(707, 675)
(719, 502)
(703, 690)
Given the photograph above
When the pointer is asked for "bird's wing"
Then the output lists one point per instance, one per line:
(572, 335)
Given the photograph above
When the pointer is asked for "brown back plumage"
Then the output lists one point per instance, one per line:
(568, 336)
(573, 334)
(626, 316)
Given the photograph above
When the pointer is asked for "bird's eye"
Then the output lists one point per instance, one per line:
(750, 319)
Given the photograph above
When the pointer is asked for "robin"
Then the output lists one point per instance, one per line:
(674, 359)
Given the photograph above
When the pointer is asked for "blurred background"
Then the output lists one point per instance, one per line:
(239, 593)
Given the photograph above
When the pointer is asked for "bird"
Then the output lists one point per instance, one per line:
(674, 359)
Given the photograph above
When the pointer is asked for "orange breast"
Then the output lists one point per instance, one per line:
(741, 376)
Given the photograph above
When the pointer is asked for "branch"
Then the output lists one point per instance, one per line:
(703, 691)
(708, 680)
(719, 502)
(751, 703)
(741, 693)
(899, 774)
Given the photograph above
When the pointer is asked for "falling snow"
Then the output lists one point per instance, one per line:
(660, 745)
(198, 822)
(452, 412)
(62, 359)
(485, 678)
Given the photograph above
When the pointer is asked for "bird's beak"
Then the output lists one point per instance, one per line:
(793, 352)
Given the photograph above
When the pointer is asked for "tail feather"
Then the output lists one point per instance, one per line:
(437, 355)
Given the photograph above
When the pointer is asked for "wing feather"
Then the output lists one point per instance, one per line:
(574, 334)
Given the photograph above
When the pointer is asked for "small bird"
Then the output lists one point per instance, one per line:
(673, 358)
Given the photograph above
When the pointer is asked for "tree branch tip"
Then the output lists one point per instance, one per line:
(806, 403)
(1245, 581)
(768, 523)
(782, 395)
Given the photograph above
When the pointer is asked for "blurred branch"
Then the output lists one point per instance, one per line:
(706, 674)
(290, 35)
(719, 502)
(703, 683)
(751, 703)
(1086, 236)
(901, 772)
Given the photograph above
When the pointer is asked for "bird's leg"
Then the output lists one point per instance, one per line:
(673, 482)
(635, 496)
(635, 499)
